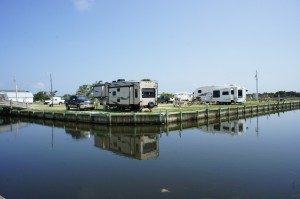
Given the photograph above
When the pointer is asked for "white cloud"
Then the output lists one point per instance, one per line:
(83, 5)
(39, 85)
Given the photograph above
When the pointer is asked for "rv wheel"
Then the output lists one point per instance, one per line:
(151, 105)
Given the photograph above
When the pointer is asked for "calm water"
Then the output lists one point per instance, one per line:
(253, 158)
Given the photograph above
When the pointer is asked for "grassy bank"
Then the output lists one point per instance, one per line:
(159, 108)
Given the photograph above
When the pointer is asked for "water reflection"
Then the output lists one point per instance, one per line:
(138, 142)
(140, 147)
(236, 127)
(134, 142)
(9, 125)
(100, 160)
(78, 133)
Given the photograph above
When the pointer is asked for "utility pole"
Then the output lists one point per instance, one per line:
(15, 81)
(256, 78)
(51, 89)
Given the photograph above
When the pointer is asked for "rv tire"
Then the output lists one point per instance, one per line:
(150, 105)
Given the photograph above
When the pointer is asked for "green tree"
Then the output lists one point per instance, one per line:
(280, 94)
(66, 96)
(146, 79)
(167, 94)
(87, 89)
(83, 90)
(41, 96)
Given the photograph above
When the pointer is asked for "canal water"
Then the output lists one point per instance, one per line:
(256, 157)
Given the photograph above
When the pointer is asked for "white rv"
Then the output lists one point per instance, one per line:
(133, 95)
(221, 94)
(183, 96)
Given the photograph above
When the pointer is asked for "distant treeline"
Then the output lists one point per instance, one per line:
(280, 94)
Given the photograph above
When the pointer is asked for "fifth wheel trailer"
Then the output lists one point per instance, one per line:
(132, 95)
(221, 94)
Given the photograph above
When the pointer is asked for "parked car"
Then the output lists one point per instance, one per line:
(164, 99)
(79, 102)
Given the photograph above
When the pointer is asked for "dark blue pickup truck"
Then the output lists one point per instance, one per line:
(79, 102)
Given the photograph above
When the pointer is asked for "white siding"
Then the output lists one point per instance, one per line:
(23, 96)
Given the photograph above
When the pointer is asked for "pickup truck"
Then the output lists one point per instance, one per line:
(56, 100)
(79, 102)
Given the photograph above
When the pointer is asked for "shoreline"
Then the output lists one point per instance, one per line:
(159, 117)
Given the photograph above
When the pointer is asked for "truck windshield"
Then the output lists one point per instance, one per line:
(83, 98)
(148, 92)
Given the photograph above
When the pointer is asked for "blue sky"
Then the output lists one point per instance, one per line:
(181, 44)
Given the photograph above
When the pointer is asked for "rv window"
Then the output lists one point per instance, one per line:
(136, 94)
(240, 93)
(232, 92)
(199, 91)
(225, 93)
(114, 93)
(149, 147)
(216, 93)
(225, 128)
(217, 127)
(148, 92)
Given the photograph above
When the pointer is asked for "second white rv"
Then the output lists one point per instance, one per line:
(183, 96)
(132, 95)
(221, 94)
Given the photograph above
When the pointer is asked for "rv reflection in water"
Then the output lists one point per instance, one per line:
(140, 147)
(236, 127)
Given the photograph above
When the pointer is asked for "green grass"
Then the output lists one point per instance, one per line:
(159, 108)
(209, 106)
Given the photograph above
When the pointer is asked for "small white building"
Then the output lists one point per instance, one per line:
(20, 96)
